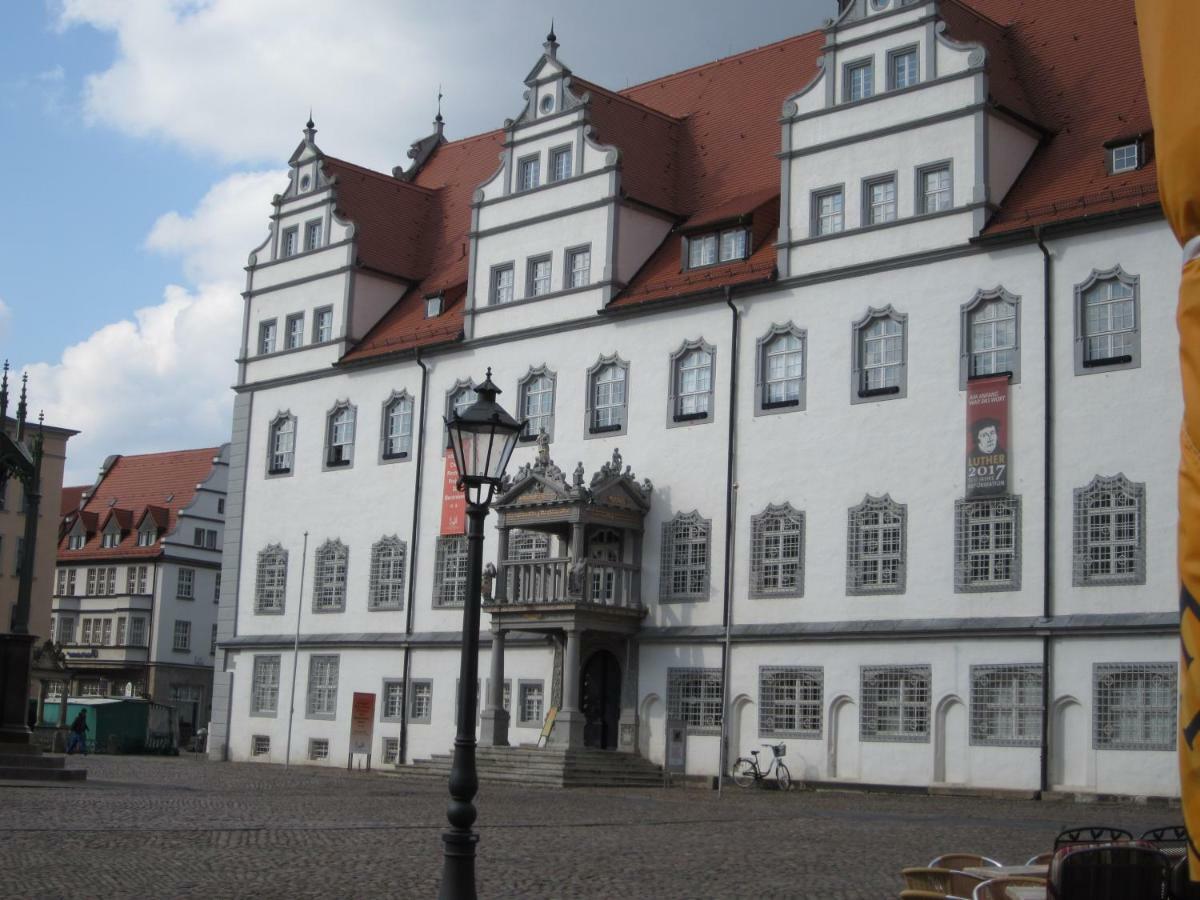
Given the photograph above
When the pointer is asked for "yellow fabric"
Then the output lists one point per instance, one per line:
(1170, 37)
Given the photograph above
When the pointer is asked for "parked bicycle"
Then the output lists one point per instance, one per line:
(746, 771)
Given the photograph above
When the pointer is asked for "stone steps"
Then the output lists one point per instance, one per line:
(553, 767)
(29, 764)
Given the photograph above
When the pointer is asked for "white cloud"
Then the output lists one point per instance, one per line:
(5, 318)
(160, 380)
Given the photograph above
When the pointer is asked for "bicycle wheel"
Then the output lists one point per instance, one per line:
(783, 777)
(743, 772)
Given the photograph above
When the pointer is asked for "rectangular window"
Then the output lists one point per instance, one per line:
(1133, 706)
(391, 751)
(560, 164)
(693, 385)
(106, 639)
(537, 405)
(537, 277)
(782, 360)
(881, 356)
(66, 629)
(70, 583)
(860, 81)
(608, 398)
(828, 212)
(322, 325)
(777, 553)
(987, 544)
(186, 585)
(702, 251)
(579, 266)
(121, 626)
(312, 234)
(76, 542)
(60, 583)
(290, 238)
(322, 687)
(1006, 706)
(992, 338)
(212, 645)
(733, 244)
(386, 589)
(1124, 158)
(295, 330)
(685, 558)
(137, 632)
(340, 437)
(264, 688)
(694, 696)
(450, 571)
(904, 69)
(528, 173)
(260, 745)
(895, 703)
(182, 641)
(503, 285)
(529, 700)
(108, 540)
(146, 537)
(397, 428)
(86, 632)
(790, 699)
(110, 580)
(936, 194)
(421, 710)
(880, 198)
(266, 337)
(1110, 334)
(217, 588)
(392, 707)
(91, 583)
(318, 749)
(433, 306)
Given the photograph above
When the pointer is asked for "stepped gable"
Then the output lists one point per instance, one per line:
(701, 144)
(163, 482)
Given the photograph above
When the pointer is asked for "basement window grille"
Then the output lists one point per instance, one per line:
(1133, 706)
(790, 700)
(1006, 706)
(895, 703)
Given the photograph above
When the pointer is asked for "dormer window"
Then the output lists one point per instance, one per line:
(709, 249)
(433, 306)
(112, 537)
(305, 181)
(76, 541)
(146, 537)
(860, 80)
(529, 173)
(1125, 157)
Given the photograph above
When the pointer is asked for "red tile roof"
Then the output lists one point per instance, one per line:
(701, 144)
(165, 482)
(71, 498)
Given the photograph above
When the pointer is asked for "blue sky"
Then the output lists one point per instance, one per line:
(143, 140)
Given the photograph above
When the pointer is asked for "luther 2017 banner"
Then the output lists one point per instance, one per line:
(454, 501)
(987, 437)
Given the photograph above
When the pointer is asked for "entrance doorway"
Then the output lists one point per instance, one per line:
(600, 700)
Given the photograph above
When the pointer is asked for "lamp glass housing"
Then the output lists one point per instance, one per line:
(483, 437)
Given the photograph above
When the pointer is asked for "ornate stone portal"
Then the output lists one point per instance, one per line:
(570, 562)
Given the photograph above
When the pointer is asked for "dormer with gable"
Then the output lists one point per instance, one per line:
(907, 139)
(556, 232)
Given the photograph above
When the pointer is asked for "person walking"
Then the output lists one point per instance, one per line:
(78, 738)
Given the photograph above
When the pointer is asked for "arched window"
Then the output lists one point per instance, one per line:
(991, 336)
(329, 577)
(397, 427)
(270, 580)
(1107, 322)
(1110, 532)
(781, 370)
(777, 552)
(879, 362)
(608, 397)
(281, 444)
(875, 547)
(895, 703)
(691, 399)
(458, 398)
(537, 403)
(339, 436)
(389, 557)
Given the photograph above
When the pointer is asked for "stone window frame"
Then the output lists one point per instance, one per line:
(315, 659)
(289, 322)
(459, 384)
(706, 700)
(670, 537)
(270, 557)
(858, 328)
(569, 257)
(258, 689)
(493, 288)
(522, 162)
(1136, 492)
(318, 313)
(766, 724)
(892, 178)
(962, 583)
(590, 431)
(310, 243)
(345, 460)
(920, 206)
(855, 586)
(394, 398)
(281, 418)
(967, 350)
(185, 583)
(522, 684)
(848, 68)
(268, 336)
(774, 511)
(987, 704)
(413, 685)
(761, 406)
(1103, 705)
(541, 371)
(816, 196)
(873, 680)
(1132, 360)
(327, 579)
(675, 418)
(531, 264)
(181, 638)
(398, 548)
(383, 700)
(289, 244)
(389, 751)
(554, 155)
(894, 54)
(449, 549)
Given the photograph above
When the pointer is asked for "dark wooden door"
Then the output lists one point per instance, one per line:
(600, 700)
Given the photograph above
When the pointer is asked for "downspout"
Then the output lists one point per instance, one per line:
(1047, 500)
(730, 515)
(287, 753)
(402, 757)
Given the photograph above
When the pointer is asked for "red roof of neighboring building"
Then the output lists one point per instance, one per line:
(702, 145)
(164, 482)
(71, 498)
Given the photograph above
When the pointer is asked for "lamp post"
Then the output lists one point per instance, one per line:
(483, 437)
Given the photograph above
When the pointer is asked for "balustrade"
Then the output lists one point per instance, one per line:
(531, 581)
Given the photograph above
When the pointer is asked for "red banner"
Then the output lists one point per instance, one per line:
(987, 437)
(362, 722)
(454, 501)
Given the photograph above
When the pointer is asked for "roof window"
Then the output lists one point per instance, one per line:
(1125, 155)
(716, 247)
(433, 306)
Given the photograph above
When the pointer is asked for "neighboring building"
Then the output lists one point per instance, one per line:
(139, 579)
(772, 281)
(12, 532)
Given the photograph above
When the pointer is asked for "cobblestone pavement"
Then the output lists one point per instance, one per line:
(185, 827)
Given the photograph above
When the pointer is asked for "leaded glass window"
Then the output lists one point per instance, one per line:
(685, 558)
(936, 194)
(388, 561)
(608, 397)
(777, 553)
(397, 427)
(1109, 320)
(783, 370)
(537, 403)
(875, 548)
(881, 354)
(340, 436)
(329, 577)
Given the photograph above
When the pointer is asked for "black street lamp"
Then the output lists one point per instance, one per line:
(483, 437)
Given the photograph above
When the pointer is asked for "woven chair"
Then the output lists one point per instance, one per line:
(997, 888)
(1091, 834)
(1042, 859)
(911, 894)
(962, 861)
(927, 878)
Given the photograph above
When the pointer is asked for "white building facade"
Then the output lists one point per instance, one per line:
(773, 310)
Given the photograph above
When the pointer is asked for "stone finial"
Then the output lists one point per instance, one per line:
(551, 45)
